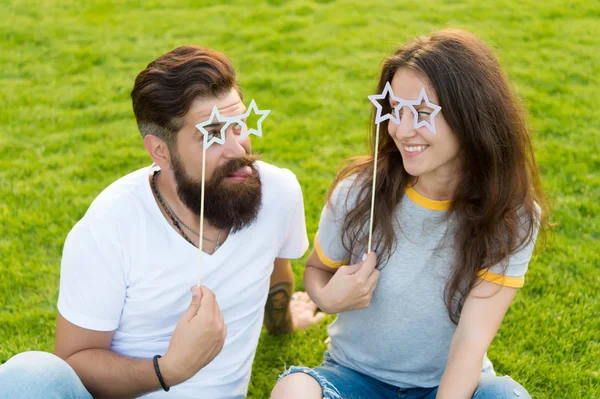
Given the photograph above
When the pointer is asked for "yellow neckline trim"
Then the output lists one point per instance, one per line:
(426, 202)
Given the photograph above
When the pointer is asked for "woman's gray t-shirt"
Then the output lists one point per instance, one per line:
(404, 336)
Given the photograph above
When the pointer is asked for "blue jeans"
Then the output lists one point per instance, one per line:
(36, 375)
(339, 382)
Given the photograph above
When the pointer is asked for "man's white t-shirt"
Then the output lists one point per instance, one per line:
(125, 269)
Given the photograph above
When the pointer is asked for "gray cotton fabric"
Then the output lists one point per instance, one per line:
(404, 336)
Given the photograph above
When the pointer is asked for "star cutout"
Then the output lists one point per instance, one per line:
(200, 126)
(436, 109)
(263, 114)
(235, 119)
(389, 116)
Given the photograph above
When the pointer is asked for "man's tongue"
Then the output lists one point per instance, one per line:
(244, 171)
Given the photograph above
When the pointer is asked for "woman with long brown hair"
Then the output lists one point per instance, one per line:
(458, 206)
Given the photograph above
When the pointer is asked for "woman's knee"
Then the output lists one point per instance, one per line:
(492, 387)
(297, 385)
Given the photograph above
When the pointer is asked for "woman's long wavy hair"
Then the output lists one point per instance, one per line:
(499, 186)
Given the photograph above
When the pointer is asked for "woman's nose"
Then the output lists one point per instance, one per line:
(406, 127)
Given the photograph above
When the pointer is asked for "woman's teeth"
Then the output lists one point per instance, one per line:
(414, 148)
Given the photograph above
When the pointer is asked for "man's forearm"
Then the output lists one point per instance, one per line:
(106, 374)
(278, 318)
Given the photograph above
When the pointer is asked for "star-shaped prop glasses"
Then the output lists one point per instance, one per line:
(263, 115)
(215, 120)
(207, 128)
(428, 122)
(383, 96)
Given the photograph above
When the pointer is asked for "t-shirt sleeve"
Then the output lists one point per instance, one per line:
(518, 263)
(92, 279)
(328, 240)
(295, 242)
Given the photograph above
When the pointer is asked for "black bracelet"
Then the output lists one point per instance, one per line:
(157, 370)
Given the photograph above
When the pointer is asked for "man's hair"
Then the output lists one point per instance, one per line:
(164, 92)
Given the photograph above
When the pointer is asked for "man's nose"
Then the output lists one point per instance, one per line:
(233, 147)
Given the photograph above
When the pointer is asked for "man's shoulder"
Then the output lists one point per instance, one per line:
(118, 199)
(278, 181)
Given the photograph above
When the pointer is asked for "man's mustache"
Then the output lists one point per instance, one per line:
(232, 166)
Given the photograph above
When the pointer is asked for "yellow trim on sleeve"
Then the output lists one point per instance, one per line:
(425, 202)
(326, 261)
(513, 282)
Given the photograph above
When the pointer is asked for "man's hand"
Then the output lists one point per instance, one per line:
(303, 311)
(197, 339)
(351, 287)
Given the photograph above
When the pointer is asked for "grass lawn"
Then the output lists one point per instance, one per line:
(67, 131)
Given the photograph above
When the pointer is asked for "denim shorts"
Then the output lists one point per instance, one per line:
(339, 382)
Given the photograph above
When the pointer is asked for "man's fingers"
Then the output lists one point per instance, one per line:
(303, 306)
(194, 305)
(217, 309)
(221, 317)
(208, 297)
(318, 317)
(208, 301)
(302, 296)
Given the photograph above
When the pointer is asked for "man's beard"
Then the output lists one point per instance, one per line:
(226, 205)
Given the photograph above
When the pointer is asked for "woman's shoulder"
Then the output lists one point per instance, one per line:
(345, 192)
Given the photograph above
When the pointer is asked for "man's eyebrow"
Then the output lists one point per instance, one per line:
(217, 124)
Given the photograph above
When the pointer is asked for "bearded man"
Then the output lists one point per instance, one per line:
(127, 324)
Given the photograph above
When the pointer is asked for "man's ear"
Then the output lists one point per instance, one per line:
(158, 151)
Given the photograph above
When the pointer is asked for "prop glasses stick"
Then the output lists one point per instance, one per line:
(373, 189)
(201, 215)
(245, 131)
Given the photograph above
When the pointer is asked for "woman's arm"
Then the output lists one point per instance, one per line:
(339, 290)
(316, 275)
(480, 319)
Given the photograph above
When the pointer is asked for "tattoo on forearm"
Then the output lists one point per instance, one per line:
(278, 318)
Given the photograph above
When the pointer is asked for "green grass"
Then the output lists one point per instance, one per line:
(67, 131)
